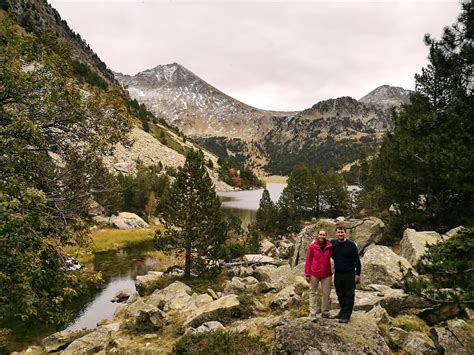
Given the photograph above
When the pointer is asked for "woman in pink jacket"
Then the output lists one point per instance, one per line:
(318, 270)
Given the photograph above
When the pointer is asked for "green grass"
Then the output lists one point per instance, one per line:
(112, 239)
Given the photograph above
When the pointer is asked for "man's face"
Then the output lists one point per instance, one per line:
(321, 237)
(341, 234)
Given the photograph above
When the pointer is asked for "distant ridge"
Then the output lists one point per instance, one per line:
(387, 95)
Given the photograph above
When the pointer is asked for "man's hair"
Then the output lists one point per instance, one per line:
(341, 228)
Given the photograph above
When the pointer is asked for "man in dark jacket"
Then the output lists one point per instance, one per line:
(347, 270)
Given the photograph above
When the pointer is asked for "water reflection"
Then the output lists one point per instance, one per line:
(119, 269)
(245, 203)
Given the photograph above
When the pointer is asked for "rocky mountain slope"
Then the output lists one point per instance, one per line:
(175, 93)
(161, 144)
(388, 96)
(40, 17)
(331, 133)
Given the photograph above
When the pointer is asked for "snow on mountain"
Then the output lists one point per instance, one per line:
(183, 99)
(387, 96)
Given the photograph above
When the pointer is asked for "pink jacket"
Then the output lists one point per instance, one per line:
(318, 263)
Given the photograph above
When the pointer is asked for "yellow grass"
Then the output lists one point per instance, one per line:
(275, 179)
(111, 239)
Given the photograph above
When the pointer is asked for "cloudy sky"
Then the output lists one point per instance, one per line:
(279, 55)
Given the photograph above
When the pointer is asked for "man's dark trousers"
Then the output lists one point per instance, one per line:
(345, 290)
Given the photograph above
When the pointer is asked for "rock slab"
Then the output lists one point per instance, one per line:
(301, 336)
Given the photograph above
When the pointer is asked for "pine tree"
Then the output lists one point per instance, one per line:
(335, 194)
(425, 167)
(319, 187)
(252, 244)
(301, 185)
(449, 265)
(193, 220)
(266, 214)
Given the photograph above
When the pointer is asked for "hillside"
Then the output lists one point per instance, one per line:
(197, 108)
(162, 144)
(332, 133)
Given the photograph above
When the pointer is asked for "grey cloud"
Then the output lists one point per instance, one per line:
(280, 56)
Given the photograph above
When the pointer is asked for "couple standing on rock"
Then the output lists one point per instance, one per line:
(346, 273)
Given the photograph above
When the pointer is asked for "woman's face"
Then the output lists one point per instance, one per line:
(321, 237)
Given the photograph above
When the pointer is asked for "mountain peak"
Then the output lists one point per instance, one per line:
(386, 95)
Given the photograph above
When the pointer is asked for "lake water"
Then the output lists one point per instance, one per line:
(245, 203)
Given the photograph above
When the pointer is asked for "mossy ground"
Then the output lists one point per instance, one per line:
(111, 239)
(220, 342)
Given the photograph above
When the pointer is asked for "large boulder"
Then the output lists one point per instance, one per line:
(285, 298)
(416, 345)
(362, 231)
(235, 286)
(144, 282)
(301, 336)
(380, 265)
(215, 310)
(414, 244)
(62, 339)
(173, 297)
(451, 233)
(127, 220)
(453, 338)
(441, 313)
(93, 342)
(280, 277)
(268, 248)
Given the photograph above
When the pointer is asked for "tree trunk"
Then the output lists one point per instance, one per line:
(187, 261)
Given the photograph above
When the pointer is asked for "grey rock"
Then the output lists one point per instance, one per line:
(93, 342)
(414, 244)
(173, 297)
(379, 314)
(453, 338)
(380, 265)
(451, 233)
(301, 336)
(127, 220)
(285, 298)
(268, 248)
(397, 336)
(208, 326)
(281, 276)
(221, 307)
(235, 286)
(362, 231)
(440, 313)
(416, 345)
(285, 249)
(148, 280)
(122, 296)
(264, 287)
(62, 339)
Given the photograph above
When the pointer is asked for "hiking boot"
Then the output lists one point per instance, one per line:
(326, 315)
(313, 318)
(344, 320)
(337, 316)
